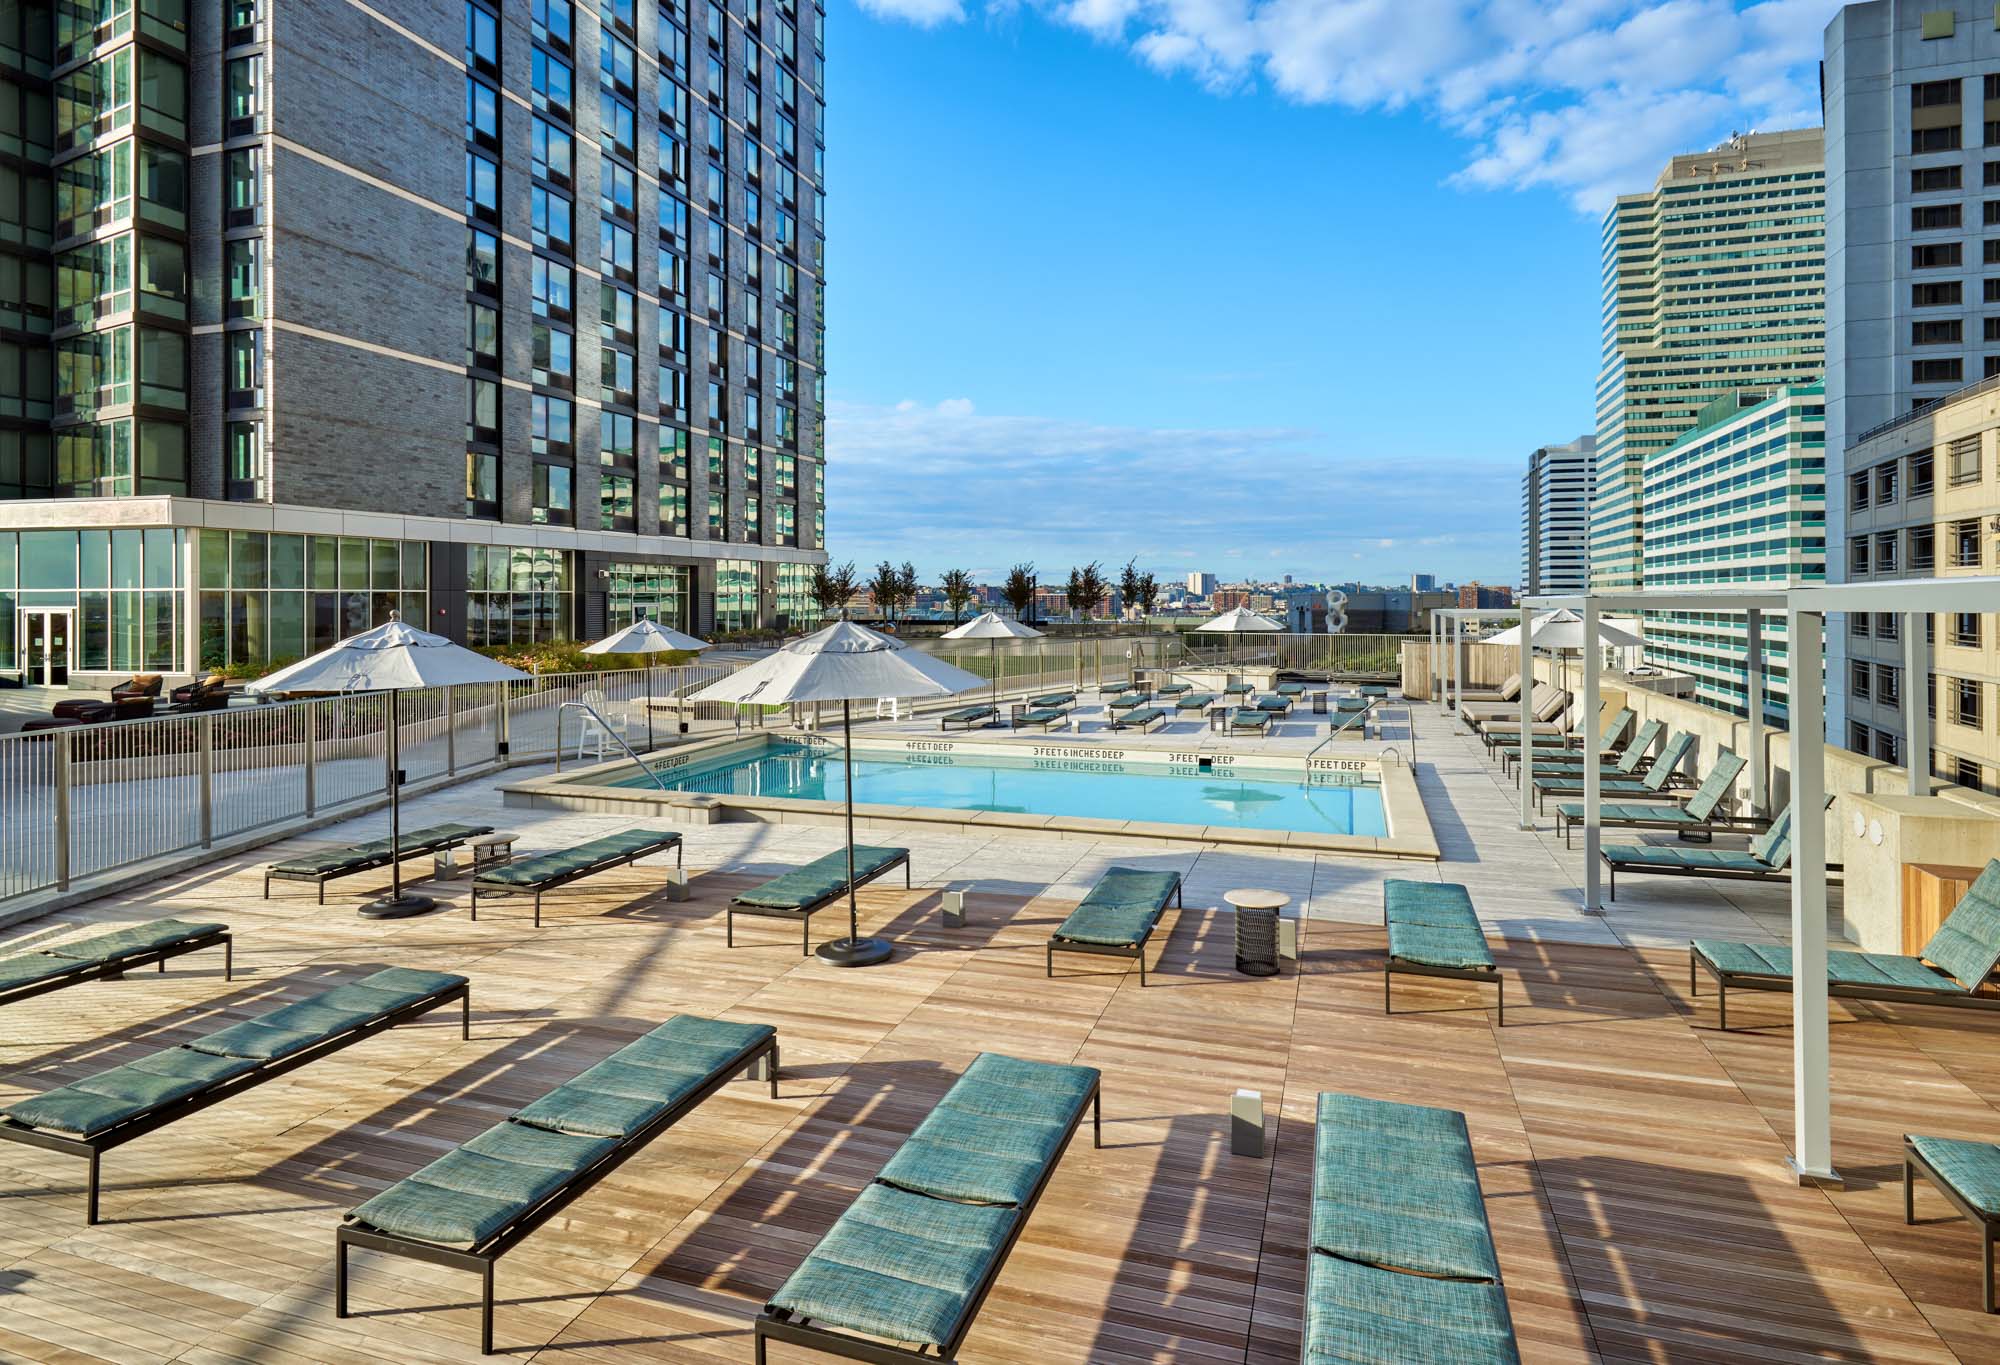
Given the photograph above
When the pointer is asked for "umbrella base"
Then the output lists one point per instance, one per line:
(397, 907)
(854, 952)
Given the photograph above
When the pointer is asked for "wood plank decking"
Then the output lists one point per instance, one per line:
(1632, 1162)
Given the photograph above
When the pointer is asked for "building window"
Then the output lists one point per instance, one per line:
(1965, 699)
(1936, 256)
(1857, 624)
(616, 251)
(673, 276)
(1930, 179)
(552, 83)
(1950, 371)
(482, 411)
(1921, 466)
(614, 503)
(482, 262)
(482, 40)
(482, 188)
(246, 369)
(549, 215)
(752, 518)
(242, 265)
(482, 485)
(1857, 556)
(242, 97)
(550, 426)
(673, 392)
(1942, 294)
(617, 125)
(1857, 492)
(549, 286)
(1965, 629)
(715, 523)
(1924, 140)
(482, 337)
(617, 313)
(1935, 217)
(1937, 332)
(1888, 688)
(1888, 747)
(673, 510)
(552, 151)
(673, 454)
(245, 455)
(551, 22)
(482, 113)
(618, 65)
(617, 376)
(1965, 544)
(1887, 625)
(245, 190)
(1885, 482)
(1885, 552)
(1968, 774)
(553, 356)
(1965, 461)
(515, 595)
(553, 504)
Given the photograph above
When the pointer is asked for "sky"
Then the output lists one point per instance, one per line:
(1252, 287)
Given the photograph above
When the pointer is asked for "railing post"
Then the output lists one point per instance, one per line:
(311, 713)
(450, 735)
(205, 777)
(504, 699)
(63, 738)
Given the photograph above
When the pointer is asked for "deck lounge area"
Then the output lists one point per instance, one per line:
(1631, 1155)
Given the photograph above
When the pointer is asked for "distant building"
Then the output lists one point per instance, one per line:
(1228, 599)
(1476, 596)
(1740, 501)
(1714, 280)
(1555, 517)
(1200, 584)
(1423, 582)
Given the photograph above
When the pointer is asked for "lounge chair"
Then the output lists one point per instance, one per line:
(1510, 708)
(1249, 718)
(208, 694)
(476, 1203)
(1508, 690)
(1349, 724)
(1237, 689)
(1767, 859)
(1291, 689)
(1631, 757)
(1046, 717)
(321, 868)
(108, 956)
(1138, 719)
(912, 1259)
(1508, 742)
(1054, 701)
(1400, 1263)
(1276, 704)
(1967, 1174)
(138, 685)
(1109, 689)
(1195, 701)
(805, 891)
(90, 1117)
(547, 871)
(1660, 778)
(1952, 969)
(965, 717)
(1177, 689)
(1129, 701)
(1545, 707)
(1433, 931)
(1117, 916)
(1696, 819)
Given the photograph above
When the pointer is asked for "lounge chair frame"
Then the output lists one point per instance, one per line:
(1059, 715)
(1835, 990)
(988, 717)
(117, 967)
(1124, 720)
(805, 913)
(1697, 832)
(1136, 951)
(1486, 976)
(1776, 874)
(501, 890)
(374, 862)
(92, 1148)
(778, 1325)
(1988, 1224)
(482, 1257)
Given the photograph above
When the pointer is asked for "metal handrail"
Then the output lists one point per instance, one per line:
(616, 738)
(1339, 730)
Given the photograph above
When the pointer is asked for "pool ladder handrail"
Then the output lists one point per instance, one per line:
(616, 738)
(1361, 716)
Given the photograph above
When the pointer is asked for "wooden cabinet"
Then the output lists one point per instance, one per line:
(1930, 891)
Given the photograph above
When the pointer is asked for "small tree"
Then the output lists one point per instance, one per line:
(1019, 590)
(1128, 584)
(887, 585)
(1087, 589)
(1149, 593)
(957, 586)
(831, 587)
(906, 587)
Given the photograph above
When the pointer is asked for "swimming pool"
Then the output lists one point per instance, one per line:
(1177, 794)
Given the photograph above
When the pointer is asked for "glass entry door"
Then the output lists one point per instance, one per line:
(45, 647)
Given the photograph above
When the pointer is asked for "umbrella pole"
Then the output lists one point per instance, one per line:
(396, 905)
(854, 950)
(649, 704)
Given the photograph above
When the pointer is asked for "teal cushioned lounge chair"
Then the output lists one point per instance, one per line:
(805, 891)
(333, 863)
(1117, 916)
(108, 956)
(547, 871)
(1699, 817)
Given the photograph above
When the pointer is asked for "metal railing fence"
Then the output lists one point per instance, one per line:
(91, 799)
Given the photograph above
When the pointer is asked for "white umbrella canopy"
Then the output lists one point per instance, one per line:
(841, 663)
(647, 637)
(991, 625)
(1239, 621)
(391, 658)
(1564, 630)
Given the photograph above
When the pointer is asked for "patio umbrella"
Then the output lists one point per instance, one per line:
(843, 663)
(390, 658)
(1239, 621)
(1562, 632)
(647, 637)
(991, 626)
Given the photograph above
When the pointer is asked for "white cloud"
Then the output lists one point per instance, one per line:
(947, 485)
(1588, 97)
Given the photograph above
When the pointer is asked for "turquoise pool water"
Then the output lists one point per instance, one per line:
(1101, 789)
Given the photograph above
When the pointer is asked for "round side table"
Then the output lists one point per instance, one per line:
(1257, 929)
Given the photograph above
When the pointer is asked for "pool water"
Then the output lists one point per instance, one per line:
(1101, 789)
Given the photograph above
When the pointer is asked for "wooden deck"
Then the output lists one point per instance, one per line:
(1632, 1163)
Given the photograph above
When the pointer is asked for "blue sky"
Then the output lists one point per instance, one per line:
(1291, 286)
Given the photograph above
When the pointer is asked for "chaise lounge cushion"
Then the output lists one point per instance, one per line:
(818, 880)
(898, 1265)
(466, 1196)
(640, 1081)
(989, 1144)
(1041, 715)
(1843, 968)
(1395, 1186)
(1140, 718)
(968, 713)
(1121, 909)
(1658, 855)
(1437, 946)
(32, 967)
(1971, 1168)
(1442, 904)
(1967, 944)
(1249, 720)
(107, 1099)
(136, 938)
(1359, 1313)
(380, 850)
(1195, 701)
(566, 862)
(1052, 699)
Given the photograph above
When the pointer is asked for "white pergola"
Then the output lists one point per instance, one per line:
(1805, 610)
(1448, 650)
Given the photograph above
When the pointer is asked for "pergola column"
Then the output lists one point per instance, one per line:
(1527, 753)
(1753, 648)
(1916, 704)
(1812, 1142)
(1457, 666)
(1437, 661)
(1592, 779)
